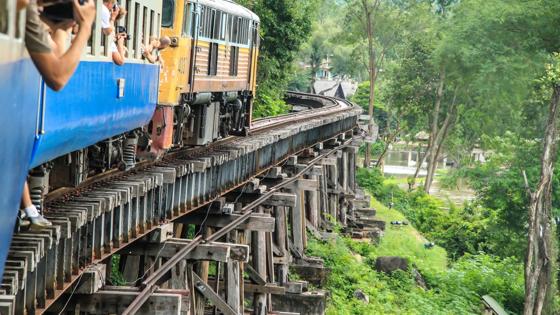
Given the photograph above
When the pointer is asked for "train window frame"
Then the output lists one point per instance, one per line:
(234, 61)
(217, 24)
(164, 22)
(213, 59)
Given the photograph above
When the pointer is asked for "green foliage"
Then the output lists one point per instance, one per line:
(285, 26)
(454, 291)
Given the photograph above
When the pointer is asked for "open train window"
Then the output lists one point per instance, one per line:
(213, 59)
(167, 13)
(233, 61)
(235, 30)
(4, 16)
(152, 17)
(217, 25)
(193, 22)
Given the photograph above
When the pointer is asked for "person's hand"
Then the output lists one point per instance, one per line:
(114, 13)
(84, 14)
(120, 39)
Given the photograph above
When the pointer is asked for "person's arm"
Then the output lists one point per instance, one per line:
(57, 70)
(118, 56)
(109, 29)
(148, 53)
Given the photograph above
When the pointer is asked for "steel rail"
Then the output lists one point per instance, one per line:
(150, 284)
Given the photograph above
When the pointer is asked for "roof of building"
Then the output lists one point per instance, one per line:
(335, 88)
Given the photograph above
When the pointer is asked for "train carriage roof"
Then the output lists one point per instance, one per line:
(229, 7)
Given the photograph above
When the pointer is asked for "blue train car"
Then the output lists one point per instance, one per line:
(101, 101)
(19, 87)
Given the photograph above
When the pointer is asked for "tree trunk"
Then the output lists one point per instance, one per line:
(431, 152)
(372, 76)
(438, 143)
(539, 257)
(390, 139)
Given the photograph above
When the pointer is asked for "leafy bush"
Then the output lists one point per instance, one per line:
(454, 291)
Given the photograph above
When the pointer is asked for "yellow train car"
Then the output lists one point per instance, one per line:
(208, 76)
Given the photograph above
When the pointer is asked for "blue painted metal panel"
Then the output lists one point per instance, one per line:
(88, 109)
(19, 90)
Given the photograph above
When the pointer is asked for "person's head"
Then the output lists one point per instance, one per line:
(21, 4)
(164, 42)
(109, 4)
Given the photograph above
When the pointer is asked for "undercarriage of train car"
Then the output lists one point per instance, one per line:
(201, 119)
(206, 117)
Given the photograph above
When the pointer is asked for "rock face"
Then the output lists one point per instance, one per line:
(360, 295)
(388, 264)
(419, 279)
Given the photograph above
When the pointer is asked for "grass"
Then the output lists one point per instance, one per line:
(352, 264)
(405, 241)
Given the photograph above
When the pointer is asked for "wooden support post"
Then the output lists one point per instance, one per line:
(280, 239)
(312, 203)
(233, 277)
(259, 263)
(352, 168)
(207, 291)
(202, 271)
(297, 224)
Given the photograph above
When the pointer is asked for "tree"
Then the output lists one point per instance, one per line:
(540, 252)
(285, 26)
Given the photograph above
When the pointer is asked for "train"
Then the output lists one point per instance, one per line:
(111, 117)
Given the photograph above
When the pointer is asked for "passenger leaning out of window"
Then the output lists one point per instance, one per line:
(55, 63)
(152, 51)
(109, 15)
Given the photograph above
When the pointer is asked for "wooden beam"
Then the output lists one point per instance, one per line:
(213, 251)
(269, 288)
(263, 223)
(214, 298)
(254, 275)
(114, 300)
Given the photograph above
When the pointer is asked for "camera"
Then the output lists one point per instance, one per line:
(59, 10)
(121, 30)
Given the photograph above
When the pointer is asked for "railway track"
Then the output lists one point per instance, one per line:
(115, 212)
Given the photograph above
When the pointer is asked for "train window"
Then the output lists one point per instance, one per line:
(4, 16)
(193, 22)
(127, 16)
(235, 30)
(229, 27)
(186, 21)
(210, 24)
(217, 25)
(167, 13)
(135, 37)
(213, 59)
(152, 29)
(233, 61)
(224, 26)
(145, 37)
